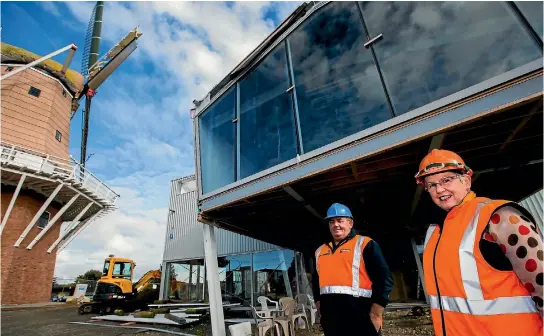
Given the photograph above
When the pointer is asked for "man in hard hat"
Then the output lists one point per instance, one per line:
(352, 281)
(483, 264)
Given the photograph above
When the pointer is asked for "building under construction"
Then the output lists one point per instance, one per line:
(342, 101)
(47, 197)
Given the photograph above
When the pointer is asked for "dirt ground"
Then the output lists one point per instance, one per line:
(55, 322)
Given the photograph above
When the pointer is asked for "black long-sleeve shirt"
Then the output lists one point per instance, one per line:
(376, 268)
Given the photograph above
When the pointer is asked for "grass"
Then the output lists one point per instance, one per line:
(75, 78)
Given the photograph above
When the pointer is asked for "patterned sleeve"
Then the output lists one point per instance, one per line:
(520, 241)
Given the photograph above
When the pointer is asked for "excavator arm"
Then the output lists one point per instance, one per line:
(148, 278)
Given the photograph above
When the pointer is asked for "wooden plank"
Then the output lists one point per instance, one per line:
(21, 110)
(42, 105)
(44, 96)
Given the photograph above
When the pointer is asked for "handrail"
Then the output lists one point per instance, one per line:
(68, 169)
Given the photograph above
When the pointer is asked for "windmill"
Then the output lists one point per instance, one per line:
(96, 70)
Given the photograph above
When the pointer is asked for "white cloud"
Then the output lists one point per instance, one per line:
(143, 136)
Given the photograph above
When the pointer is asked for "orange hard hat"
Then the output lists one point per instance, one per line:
(440, 160)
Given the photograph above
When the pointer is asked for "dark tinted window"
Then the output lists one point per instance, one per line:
(338, 88)
(532, 10)
(267, 128)
(431, 50)
(44, 219)
(217, 143)
(34, 91)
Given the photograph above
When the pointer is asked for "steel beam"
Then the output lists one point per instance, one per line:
(38, 214)
(419, 268)
(12, 202)
(214, 289)
(300, 199)
(522, 124)
(68, 237)
(52, 221)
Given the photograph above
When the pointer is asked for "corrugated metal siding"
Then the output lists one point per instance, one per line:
(187, 240)
(534, 204)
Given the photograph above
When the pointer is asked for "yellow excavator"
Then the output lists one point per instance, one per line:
(115, 288)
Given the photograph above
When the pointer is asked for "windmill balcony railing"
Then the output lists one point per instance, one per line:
(68, 170)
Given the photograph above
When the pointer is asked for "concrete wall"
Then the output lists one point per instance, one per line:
(31, 121)
(27, 275)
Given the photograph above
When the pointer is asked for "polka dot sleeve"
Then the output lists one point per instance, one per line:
(519, 240)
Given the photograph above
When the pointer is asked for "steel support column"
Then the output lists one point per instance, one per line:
(419, 268)
(52, 221)
(214, 289)
(38, 214)
(12, 202)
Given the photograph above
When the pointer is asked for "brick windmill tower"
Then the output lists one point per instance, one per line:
(42, 186)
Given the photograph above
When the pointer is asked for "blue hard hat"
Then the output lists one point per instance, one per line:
(338, 210)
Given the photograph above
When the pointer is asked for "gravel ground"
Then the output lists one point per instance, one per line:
(55, 321)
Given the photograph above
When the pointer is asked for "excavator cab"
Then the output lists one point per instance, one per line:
(118, 272)
(115, 288)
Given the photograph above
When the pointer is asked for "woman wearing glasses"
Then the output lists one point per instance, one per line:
(483, 264)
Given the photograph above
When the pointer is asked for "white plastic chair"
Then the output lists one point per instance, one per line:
(263, 301)
(288, 320)
(240, 329)
(268, 322)
(307, 304)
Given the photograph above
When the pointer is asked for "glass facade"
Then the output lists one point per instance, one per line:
(186, 281)
(438, 48)
(243, 277)
(218, 143)
(353, 65)
(267, 132)
(338, 87)
(532, 11)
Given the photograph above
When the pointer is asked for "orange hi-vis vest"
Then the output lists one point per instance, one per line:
(344, 272)
(468, 297)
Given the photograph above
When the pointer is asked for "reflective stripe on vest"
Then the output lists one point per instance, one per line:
(503, 305)
(346, 290)
(474, 303)
(355, 268)
(428, 235)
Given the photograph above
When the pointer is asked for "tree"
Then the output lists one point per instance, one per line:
(89, 275)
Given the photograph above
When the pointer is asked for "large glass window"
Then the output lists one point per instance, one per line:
(433, 49)
(235, 278)
(532, 10)
(186, 281)
(217, 143)
(338, 87)
(274, 274)
(267, 128)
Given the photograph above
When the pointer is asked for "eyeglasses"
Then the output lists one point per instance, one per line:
(443, 182)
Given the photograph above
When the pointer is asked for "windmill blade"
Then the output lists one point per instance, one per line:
(112, 59)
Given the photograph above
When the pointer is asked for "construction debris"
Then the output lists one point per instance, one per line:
(142, 328)
(157, 319)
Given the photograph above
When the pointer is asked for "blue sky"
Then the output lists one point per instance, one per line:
(140, 128)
